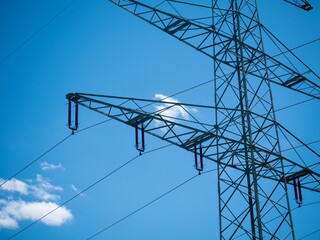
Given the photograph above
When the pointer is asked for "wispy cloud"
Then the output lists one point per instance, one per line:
(43, 189)
(40, 188)
(74, 188)
(50, 166)
(14, 211)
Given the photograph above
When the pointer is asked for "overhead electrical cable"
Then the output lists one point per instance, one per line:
(86, 189)
(49, 150)
(301, 145)
(299, 46)
(310, 234)
(272, 37)
(93, 125)
(35, 160)
(147, 204)
(37, 32)
(273, 219)
(294, 104)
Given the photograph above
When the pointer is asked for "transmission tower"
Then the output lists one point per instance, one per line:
(241, 133)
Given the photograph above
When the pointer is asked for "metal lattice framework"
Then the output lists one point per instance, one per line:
(240, 132)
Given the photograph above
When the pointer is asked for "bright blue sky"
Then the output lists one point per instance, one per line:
(95, 47)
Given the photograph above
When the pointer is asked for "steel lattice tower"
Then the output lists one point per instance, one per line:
(243, 135)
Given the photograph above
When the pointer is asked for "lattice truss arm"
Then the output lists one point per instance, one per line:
(178, 124)
(301, 4)
(217, 41)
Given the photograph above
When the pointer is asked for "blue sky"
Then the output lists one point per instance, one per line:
(95, 47)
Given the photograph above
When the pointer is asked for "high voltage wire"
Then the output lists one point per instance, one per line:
(36, 32)
(86, 189)
(147, 204)
(299, 146)
(273, 219)
(310, 234)
(294, 104)
(171, 190)
(49, 150)
(299, 46)
(35, 160)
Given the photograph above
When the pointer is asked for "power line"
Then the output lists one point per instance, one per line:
(70, 199)
(146, 205)
(35, 160)
(314, 232)
(93, 125)
(37, 32)
(50, 149)
(273, 219)
(301, 145)
(299, 46)
(294, 104)
(308, 235)
(83, 191)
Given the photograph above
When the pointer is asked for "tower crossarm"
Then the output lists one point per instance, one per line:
(303, 4)
(200, 34)
(160, 119)
(309, 178)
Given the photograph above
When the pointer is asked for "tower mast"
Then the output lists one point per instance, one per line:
(252, 95)
(243, 137)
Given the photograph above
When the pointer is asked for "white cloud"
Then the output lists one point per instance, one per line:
(14, 185)
(171, 111)
(50, 166)
(15, 211)
(12, 211)
(7, 221)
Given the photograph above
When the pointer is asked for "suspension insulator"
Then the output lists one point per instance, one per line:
(198, 158)
(297, 191)
(140, 145)
(73, 124)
